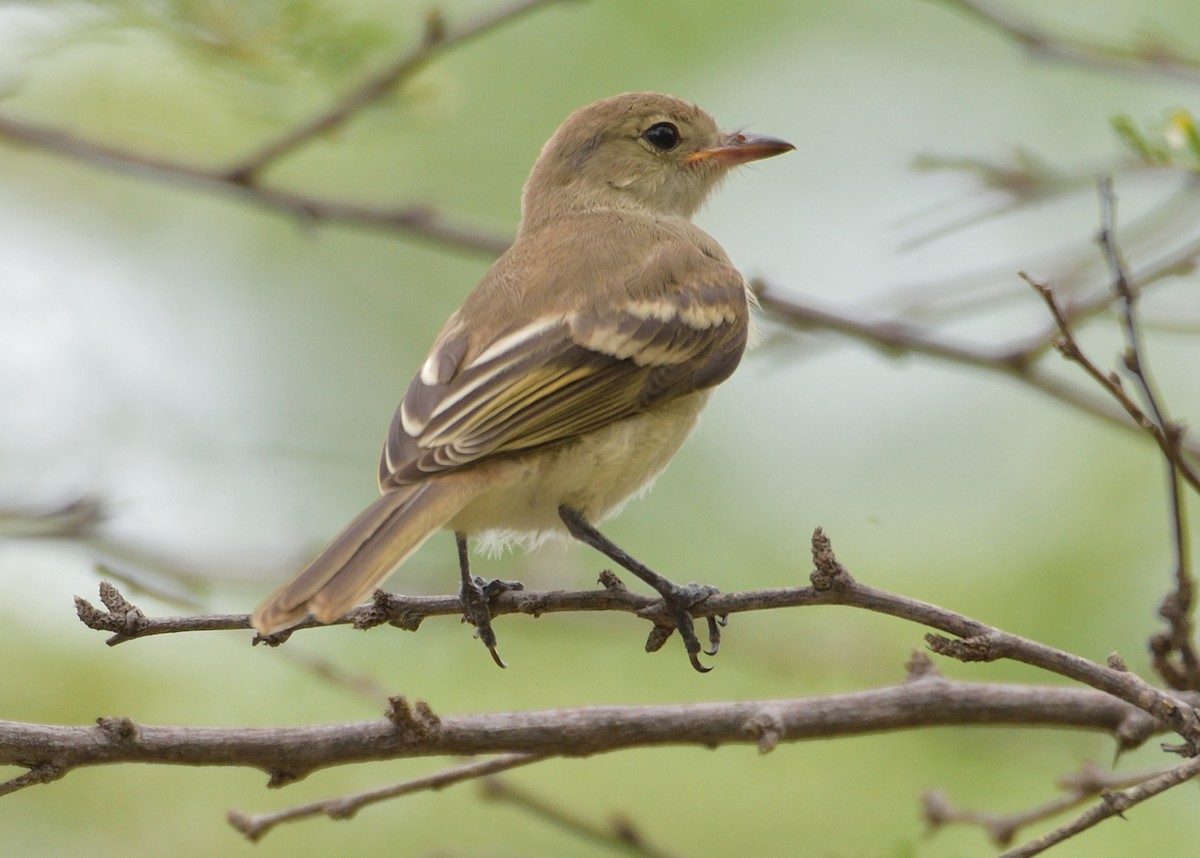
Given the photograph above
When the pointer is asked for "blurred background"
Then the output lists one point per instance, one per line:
(219, 379)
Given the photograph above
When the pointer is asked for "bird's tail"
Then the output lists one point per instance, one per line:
(370, 548)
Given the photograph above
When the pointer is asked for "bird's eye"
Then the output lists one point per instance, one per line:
(662, 135)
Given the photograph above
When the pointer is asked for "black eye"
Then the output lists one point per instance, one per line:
(662, 135)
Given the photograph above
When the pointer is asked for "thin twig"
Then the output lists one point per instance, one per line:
(1069, 347)
(241, 179)
(418, 221)
(345, 807)
(1152, 59)
(896, 336)
(622, 832)
(1111, 804)
(1177, 608)
(619, 833)
(439, 38)
(1024, 182)
(119, 611)
(1079, 788)
(1170, 440)
(76, 519)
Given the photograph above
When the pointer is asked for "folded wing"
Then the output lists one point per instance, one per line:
(679, 325)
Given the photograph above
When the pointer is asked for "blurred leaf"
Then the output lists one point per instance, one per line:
(1169, 142)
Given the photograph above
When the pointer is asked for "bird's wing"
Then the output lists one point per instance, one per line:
(679, 325)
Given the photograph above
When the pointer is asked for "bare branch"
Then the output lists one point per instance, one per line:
(1174, 651)
(73, 520)
(619, 833)
(241, 179)
(1111, 804)
(1180, 261)
(345, 807)
(290, 753)
(417, 221)
(1175, 654)
(438, 39)
(831, 585)
(1153, 58)
(1024, 181)
(1069, 347)
(1079, 789)
(897, 336)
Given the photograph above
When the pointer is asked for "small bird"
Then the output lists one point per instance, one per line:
(571, 375)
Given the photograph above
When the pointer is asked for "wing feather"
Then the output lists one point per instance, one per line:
(680, 325)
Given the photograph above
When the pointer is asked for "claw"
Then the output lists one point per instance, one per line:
(714, 635)
(680, 600)
(475, 594)
(496, 657)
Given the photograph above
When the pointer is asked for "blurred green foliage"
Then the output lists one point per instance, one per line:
(1172, 141)
(285, 42)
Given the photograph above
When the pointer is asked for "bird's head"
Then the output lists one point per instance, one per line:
(637, 150)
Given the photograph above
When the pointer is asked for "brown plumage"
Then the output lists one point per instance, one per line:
(579, 364)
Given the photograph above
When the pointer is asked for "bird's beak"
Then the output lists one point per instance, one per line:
(738, 148)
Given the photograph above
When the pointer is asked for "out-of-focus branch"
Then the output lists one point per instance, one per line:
(241, 179)
(1175, 655)
(439, 38)
(1151, 58)
(1176, 660)
(1111, 804)
(417, 221)
(1135, 361)
(1111, 383)
(620, 832)
(898, 337)
(1080, 788)
(73, 520)
(344, 807)
(1175, 652)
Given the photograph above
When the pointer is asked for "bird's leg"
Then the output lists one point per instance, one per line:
(678, 598)
(475, 594)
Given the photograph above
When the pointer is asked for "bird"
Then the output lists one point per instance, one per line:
(572, 373)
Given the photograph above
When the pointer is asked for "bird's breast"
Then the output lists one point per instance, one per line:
(596, 474)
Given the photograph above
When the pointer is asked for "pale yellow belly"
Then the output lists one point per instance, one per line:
(596, 475)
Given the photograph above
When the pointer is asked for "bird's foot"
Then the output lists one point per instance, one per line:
(476, 595)
(679, 599)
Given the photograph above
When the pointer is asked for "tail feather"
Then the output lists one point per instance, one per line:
(369, 549)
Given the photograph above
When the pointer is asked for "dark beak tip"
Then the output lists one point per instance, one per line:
(763, 143)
